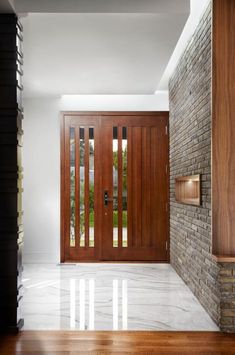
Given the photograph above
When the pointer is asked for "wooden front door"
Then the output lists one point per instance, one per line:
(114, 186)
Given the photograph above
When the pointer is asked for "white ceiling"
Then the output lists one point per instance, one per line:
(97, 53)
(102, 6)
(123, 50)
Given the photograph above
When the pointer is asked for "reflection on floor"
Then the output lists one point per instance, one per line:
(110, 297)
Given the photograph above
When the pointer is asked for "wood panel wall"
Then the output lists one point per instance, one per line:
(185, 192)
(11, 230)
(188, 190)
(223, 128)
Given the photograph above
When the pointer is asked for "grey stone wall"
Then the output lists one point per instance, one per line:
(227, 303)
(190, 153)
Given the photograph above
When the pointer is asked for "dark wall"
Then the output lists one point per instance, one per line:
(11, 230)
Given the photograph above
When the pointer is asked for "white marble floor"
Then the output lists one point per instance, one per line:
(110, 297)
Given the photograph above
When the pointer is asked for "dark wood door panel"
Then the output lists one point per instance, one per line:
(147, 190)
(81, 120)
(130, 167)
(135, 254)
(140, 120)
(75, 174)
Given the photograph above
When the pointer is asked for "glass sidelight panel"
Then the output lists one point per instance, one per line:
(72, 187)
(82, 149)
(115, 187)
(124, 187)
(120, 187)
(91, 187)
(82, 185)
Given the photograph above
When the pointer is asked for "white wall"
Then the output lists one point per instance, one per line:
(41, 162)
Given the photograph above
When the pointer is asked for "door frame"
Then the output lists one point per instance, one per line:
(98, 114)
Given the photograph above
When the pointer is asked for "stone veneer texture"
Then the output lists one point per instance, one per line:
(227, 302)
(190, 153)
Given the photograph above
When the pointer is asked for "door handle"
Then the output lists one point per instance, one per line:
(107, 199)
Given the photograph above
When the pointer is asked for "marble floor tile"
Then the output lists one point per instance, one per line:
(110, 297)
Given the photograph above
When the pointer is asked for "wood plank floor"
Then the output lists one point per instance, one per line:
(128, 342)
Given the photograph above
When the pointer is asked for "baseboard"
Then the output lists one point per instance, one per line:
(41, 258)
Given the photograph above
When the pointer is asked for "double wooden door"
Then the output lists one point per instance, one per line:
(114, 186)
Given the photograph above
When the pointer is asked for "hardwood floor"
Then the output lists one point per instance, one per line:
(71, 342)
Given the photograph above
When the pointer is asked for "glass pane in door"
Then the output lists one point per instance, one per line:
(124, 187)
(82, 153)
(115, 187)
(72, 187)
(82, 185)
(91, 187)
(120, 187)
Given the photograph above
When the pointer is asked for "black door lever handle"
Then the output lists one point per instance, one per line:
(107, 199)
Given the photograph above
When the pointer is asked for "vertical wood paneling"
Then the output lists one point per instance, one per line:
(147, 182)
(136, 183)
(149, 188)
(187, 190)
(160, 188)
(146, 186)
(223, 128)
(153, 204)
(129, 188)
(107, 185)
(98, 203)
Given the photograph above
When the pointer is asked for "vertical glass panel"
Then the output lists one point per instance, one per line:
(115, 187)
(124, 187)
(91, 187)
(82, 185)
(72, 186)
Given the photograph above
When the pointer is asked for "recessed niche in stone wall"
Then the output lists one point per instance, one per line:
(188, 190)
